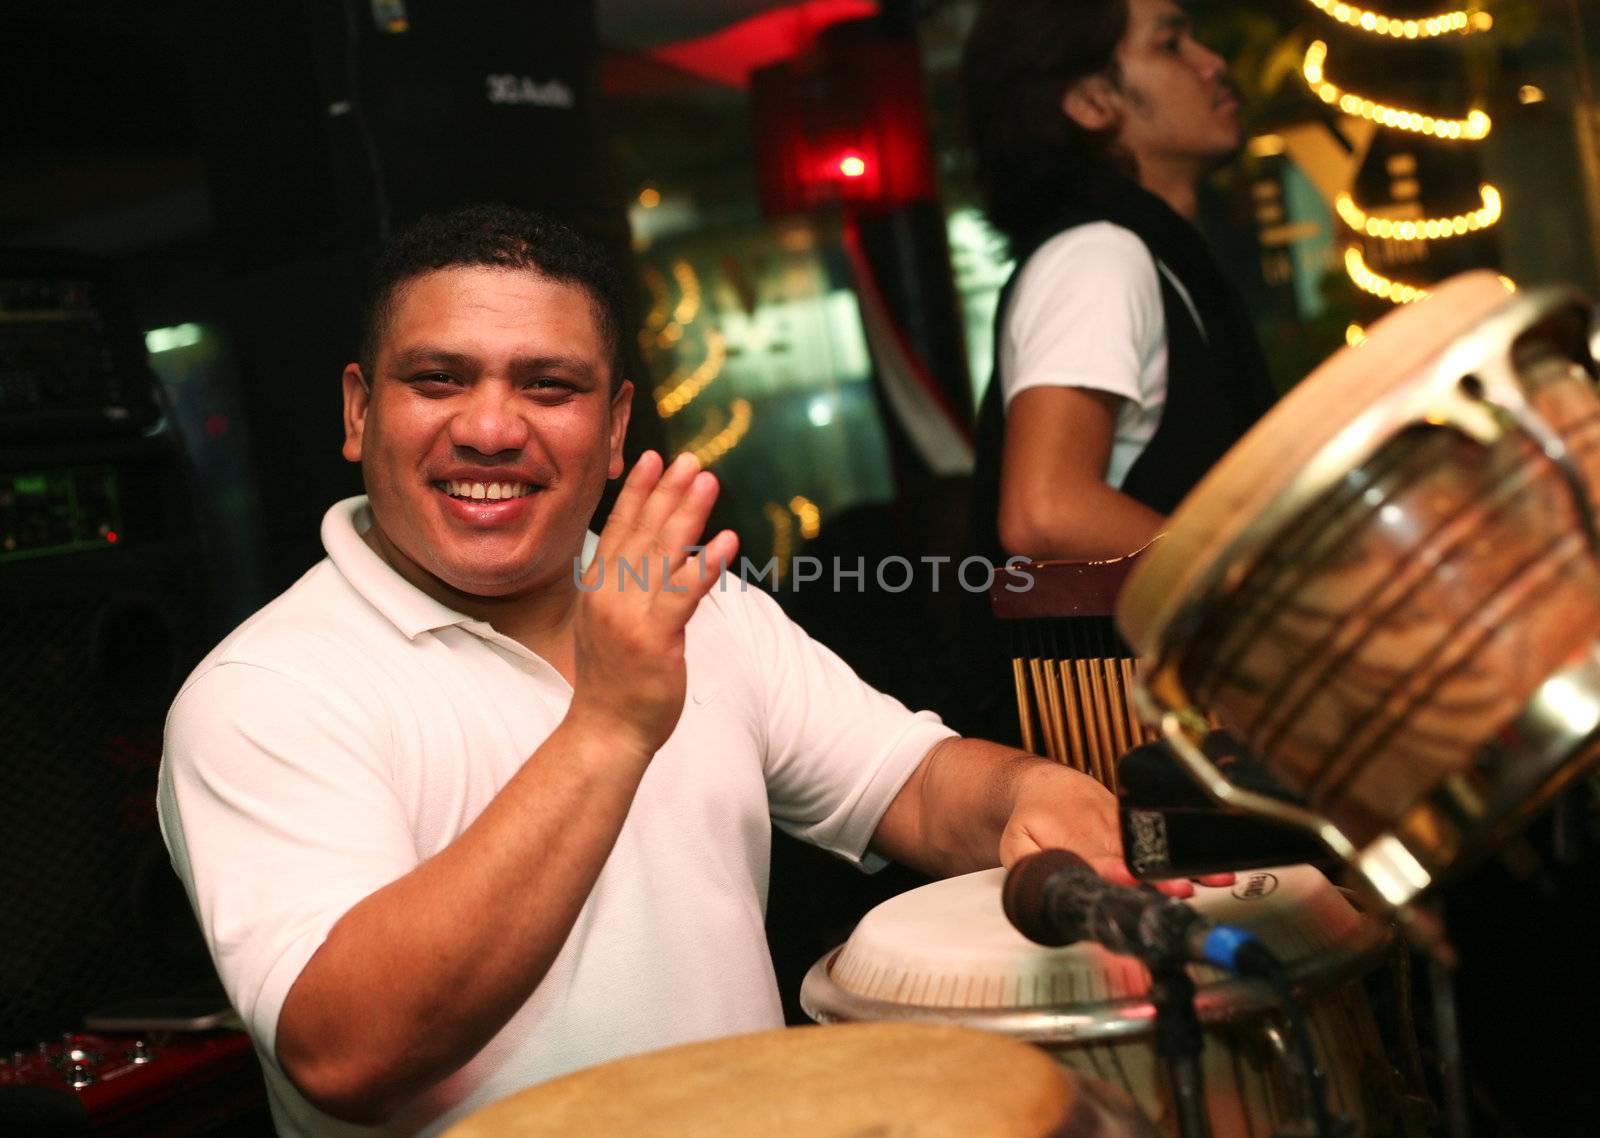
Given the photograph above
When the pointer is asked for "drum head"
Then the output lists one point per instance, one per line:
(912, 1081)
(948, 945)
(1330, 422)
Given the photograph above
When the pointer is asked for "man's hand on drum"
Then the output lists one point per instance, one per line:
(630, 670)
(1060, 808)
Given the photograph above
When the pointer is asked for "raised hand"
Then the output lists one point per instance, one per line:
(638, 595)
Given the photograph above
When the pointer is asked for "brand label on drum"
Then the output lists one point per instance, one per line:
(1254, 886)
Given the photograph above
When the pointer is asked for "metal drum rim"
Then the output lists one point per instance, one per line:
(1133, 1017)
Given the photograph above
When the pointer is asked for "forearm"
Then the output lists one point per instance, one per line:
(972, 805)
(1084, 520)
(949, 817)
(417, 977)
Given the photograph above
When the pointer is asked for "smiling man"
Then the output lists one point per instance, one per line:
(453, 824)
(1125, 362)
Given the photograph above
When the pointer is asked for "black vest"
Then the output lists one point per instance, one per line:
(1217, 382)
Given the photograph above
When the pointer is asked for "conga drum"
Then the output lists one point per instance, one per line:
(905, 1080)
(1389, 590)
(945, 953)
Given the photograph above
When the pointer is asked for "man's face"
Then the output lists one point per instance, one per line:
(488, 432)
(1176, 102)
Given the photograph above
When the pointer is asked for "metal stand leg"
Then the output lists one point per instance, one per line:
(1442, 983)
(1178, 1043)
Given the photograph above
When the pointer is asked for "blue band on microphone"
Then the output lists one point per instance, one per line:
(1222, 945)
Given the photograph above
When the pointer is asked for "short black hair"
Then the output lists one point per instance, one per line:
(1020, 59)
(494, 236)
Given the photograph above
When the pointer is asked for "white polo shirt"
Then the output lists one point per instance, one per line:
(355, 726)
(1086, 312)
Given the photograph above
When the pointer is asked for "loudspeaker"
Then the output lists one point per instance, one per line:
(94, 641)
(328, 125)
(330, 122)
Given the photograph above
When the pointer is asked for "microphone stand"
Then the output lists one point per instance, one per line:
(1178, 1043)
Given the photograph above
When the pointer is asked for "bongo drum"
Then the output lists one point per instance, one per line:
(906, 1080)
(945, 953)
(1389, 590)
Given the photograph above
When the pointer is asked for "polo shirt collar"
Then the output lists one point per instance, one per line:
(404, 605)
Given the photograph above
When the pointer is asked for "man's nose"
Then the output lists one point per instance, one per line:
(1209, 63)
(489, 421)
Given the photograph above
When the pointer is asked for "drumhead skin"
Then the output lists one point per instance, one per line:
(948, 945)
(844, 1081)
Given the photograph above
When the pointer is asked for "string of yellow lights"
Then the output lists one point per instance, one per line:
(681, 389)
(688, 293)
(712, 445)
(1421, 229)
(810, 515)
(1397, 292)
(1458, 22)
(782, 523)
(1475, 126)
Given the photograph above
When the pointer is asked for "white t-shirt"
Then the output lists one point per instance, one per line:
(1086, 312)
(354, 727)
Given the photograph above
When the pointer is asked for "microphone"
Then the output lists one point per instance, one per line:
(1172, 828)
(1054, 898)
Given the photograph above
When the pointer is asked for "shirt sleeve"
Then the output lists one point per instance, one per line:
(837, 749)
(1086, 312)
(277, 808)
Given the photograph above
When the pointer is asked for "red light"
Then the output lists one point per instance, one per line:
(111, 536)
(846, 125)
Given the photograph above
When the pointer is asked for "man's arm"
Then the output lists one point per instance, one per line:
(972, 804)
(413, 980)
(1054, 500)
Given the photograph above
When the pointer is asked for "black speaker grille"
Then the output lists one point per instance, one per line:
(92, 649)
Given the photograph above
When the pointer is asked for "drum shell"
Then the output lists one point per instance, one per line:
(944, 953)
(1409, 614)
(1421, 720)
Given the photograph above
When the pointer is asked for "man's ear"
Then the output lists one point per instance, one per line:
(357, 397)
(621, 409)
(1092, 103)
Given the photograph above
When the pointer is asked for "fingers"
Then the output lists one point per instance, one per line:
(1216, 879)
(683, 527)
(697, 576)
(655, 528)
(636, 489)
(659, 514)
(647, 535)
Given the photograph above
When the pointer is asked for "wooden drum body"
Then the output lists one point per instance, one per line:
(1390, 589)
(945, 953)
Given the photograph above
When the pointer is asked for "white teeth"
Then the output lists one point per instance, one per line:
(485, 491)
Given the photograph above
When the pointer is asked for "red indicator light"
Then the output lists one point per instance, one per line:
(111, 536)
(852, 165)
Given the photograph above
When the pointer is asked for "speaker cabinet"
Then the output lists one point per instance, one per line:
(96, 634)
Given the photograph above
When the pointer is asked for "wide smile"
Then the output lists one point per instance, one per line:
(485, 503)
(464, 489)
